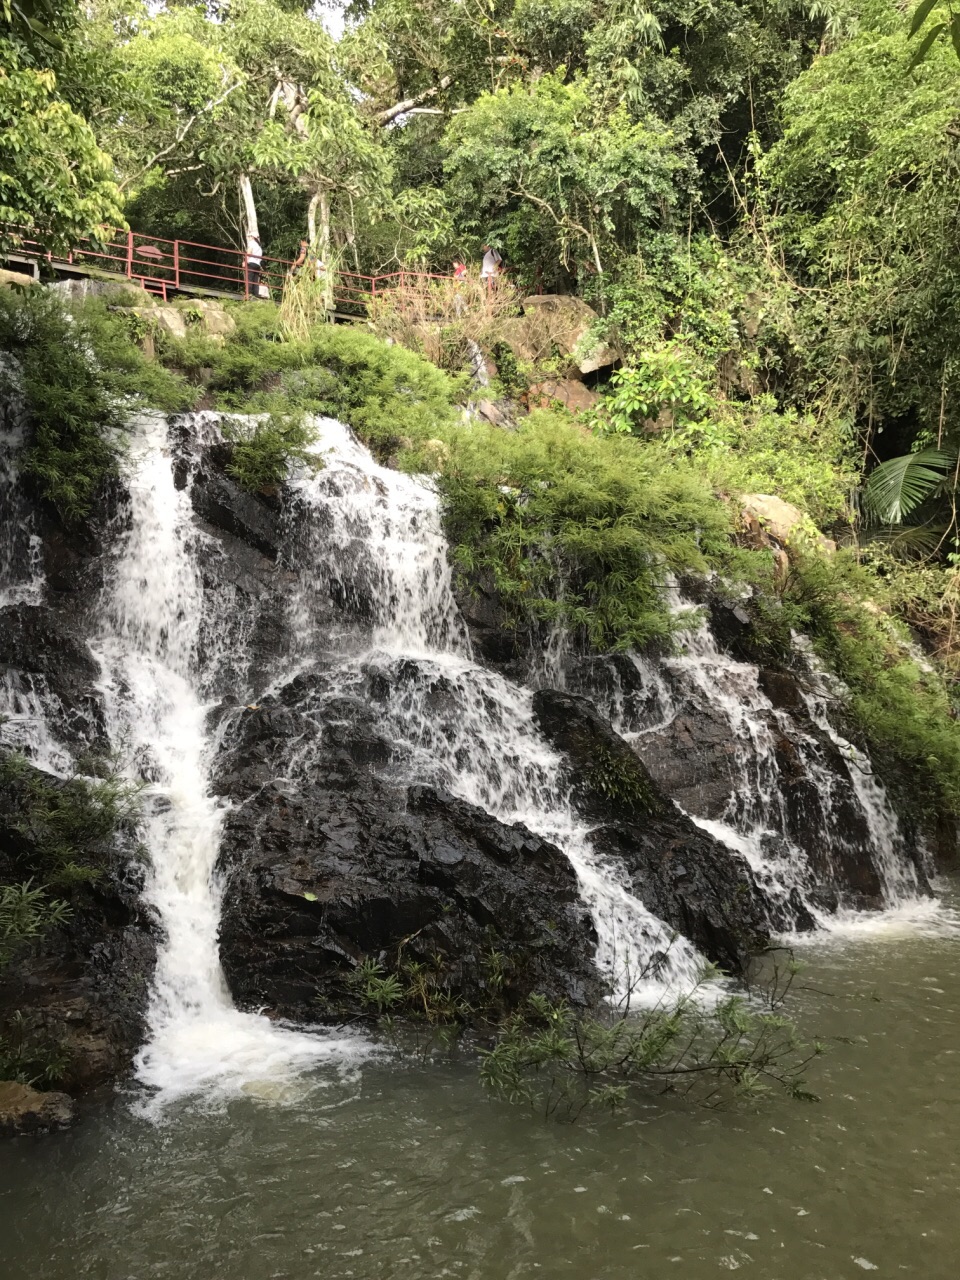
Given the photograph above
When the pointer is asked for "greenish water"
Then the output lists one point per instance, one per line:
(413, 1173)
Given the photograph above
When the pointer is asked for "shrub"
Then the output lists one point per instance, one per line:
(25, 914)
(562, 1062)
(756, 447)
(261, 456)
(577, 529)
(81, 376)
(64, 825)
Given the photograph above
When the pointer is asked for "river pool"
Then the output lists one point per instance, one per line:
(412, 1173)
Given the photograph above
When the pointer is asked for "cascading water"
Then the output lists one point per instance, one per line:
(373, 538)
(846, 809)
(24, 699)
(155, 690)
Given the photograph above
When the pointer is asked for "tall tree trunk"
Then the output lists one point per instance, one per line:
(319, 237)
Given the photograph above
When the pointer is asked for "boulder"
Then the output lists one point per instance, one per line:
(679, 872)
(571, 394)
(169, 319)
(24, 1110)
(215, 320)
(552, 324)
(771, 517)
(16, 279)
(341, 867)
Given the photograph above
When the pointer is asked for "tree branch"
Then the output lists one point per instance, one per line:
(401, 108)
(180, 135)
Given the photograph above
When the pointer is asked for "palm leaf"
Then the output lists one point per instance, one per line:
(911, 542)
(899, 485)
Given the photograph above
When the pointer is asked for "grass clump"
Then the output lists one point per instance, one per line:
(262, 454)
(61, 828)
(80, 375)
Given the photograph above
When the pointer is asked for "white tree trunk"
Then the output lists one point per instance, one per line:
(319, 236)
(249, 207)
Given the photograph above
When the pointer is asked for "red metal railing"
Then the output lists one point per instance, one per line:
(183, 266)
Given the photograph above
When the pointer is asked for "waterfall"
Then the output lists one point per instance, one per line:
(369, 611)
(155, 685)
(847, 811)
(373, 538)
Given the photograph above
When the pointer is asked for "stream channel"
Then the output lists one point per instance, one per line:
(394, 1170)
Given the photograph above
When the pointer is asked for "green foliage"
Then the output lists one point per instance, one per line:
(757, 447)
(54, 179)
(552, 174)
(946, 23)
(562, 1062)
(616, 777)
(262, 455)
(65, 825)
(898, 486)
(39, 1061)
(664, 381)
(416, 990)
(26, 913)
(81, 376)
(577, 529)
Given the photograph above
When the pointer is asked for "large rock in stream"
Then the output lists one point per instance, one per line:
(679, 872)
(342, 866)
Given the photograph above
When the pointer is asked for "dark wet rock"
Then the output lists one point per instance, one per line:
(343, 866)
(80, 989)
(24, 1110)
(680, 873)
(247, 516)
(43, 653)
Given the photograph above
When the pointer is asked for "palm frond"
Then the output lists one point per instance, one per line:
(899, 485)
(911, 542)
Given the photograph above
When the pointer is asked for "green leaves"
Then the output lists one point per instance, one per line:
(900, 485)
(921, 13)
(926, 44)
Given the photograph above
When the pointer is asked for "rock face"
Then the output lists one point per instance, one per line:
(345, 867)
(81, 989)
(28, 1111)
(679, 872)
(554, 323)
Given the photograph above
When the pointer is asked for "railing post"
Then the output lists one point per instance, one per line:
(176, 265)
(129, 255)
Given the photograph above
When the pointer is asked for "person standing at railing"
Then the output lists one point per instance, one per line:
(254, 264)
(491, 263)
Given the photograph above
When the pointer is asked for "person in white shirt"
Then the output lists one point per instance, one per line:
(491, 263)
(254, 264)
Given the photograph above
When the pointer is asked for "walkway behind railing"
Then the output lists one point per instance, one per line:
(165, 267)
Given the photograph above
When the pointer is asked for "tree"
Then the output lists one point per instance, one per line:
(55, 182)
(558, 184)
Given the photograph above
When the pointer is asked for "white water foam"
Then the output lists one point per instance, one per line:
(378, 537)
(152, 686)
